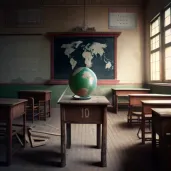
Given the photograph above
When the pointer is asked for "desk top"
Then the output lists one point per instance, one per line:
(150, 95)
(11, 101)
(163, 112)
(36, 91)
(132, 89)
(100, 100)
(158, 102)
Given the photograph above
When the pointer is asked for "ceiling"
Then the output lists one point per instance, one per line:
(70, 2)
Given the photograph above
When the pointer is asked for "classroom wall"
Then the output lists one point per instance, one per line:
(153, 8)
(25, 60)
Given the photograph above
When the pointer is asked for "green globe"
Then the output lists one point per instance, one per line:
(82, 82)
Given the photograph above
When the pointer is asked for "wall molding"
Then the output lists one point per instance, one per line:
(48, 84)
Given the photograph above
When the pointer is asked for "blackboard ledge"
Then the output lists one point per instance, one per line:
(99, 82)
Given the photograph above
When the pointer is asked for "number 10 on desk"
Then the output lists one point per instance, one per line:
(85, 113)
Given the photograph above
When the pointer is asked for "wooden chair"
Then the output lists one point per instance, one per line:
(135, 116)
(32, 110)
(148, 121)
(15, 132)
(44, 111)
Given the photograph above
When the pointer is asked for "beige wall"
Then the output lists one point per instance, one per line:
(63, 17)
(153, 8)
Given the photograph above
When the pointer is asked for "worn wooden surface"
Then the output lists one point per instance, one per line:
(68, 99)
(36, 91)
(36, 94)
(147, 106)
(92, 111)
(11, 101)
(9, 110)
(135, 100)
(42, 97)
(161, 125)
(124, 149)
(131, 89)
(116, 92)
(166, 112)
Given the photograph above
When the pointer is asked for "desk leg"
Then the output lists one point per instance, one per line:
(98, 131)
(143, 129)
(163, 157)
(68, 127)
(63, 144)
(153, 137)
(9, 141)
(115, 103)
(129, 116)
(45, 110)
(24, 129)
(104, 139)
(49, 104)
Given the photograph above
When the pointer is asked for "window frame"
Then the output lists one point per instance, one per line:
(168, 44)
(157, 49)
(162, 45)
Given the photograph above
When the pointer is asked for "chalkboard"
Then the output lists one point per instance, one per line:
(95, 50)
(25, 59)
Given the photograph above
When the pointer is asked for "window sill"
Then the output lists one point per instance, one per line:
(161, 84)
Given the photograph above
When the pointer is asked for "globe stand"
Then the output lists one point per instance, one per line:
(81, 98)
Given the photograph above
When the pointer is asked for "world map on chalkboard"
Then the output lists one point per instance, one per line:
(96, 53)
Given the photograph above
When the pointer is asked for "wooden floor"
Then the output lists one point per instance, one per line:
(124, 153)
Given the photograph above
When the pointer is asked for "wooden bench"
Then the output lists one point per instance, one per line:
(135, 102)
(124, 92)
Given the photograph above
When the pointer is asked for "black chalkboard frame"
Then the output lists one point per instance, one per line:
(52, 36)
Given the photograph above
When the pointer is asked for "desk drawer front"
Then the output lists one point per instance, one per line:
(137, 100)
(126, 92)
(83, 114)
(162, 123)
(18, 110)
(147, 107)
(47, 96)
(36, 96)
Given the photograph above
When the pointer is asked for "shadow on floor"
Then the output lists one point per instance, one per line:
(139, 158)
(41, 157)
(124, 125)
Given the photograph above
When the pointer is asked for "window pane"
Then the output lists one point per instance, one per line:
(168, 74)
(168, 63)
(167, 36)
(167, 17)
(155, 27)
(155, 43)
(155, 66)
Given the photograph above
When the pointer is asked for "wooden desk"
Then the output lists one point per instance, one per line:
(161, 124)
(9, 110)
(43, 96)
(147, 106)
(116, 92)
(92, 111)
(135, 101)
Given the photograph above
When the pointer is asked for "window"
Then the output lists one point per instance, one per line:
(155, 50)
(160, 46)
(167, 17)
(168, 63)
(167, 44)
(155, 66)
